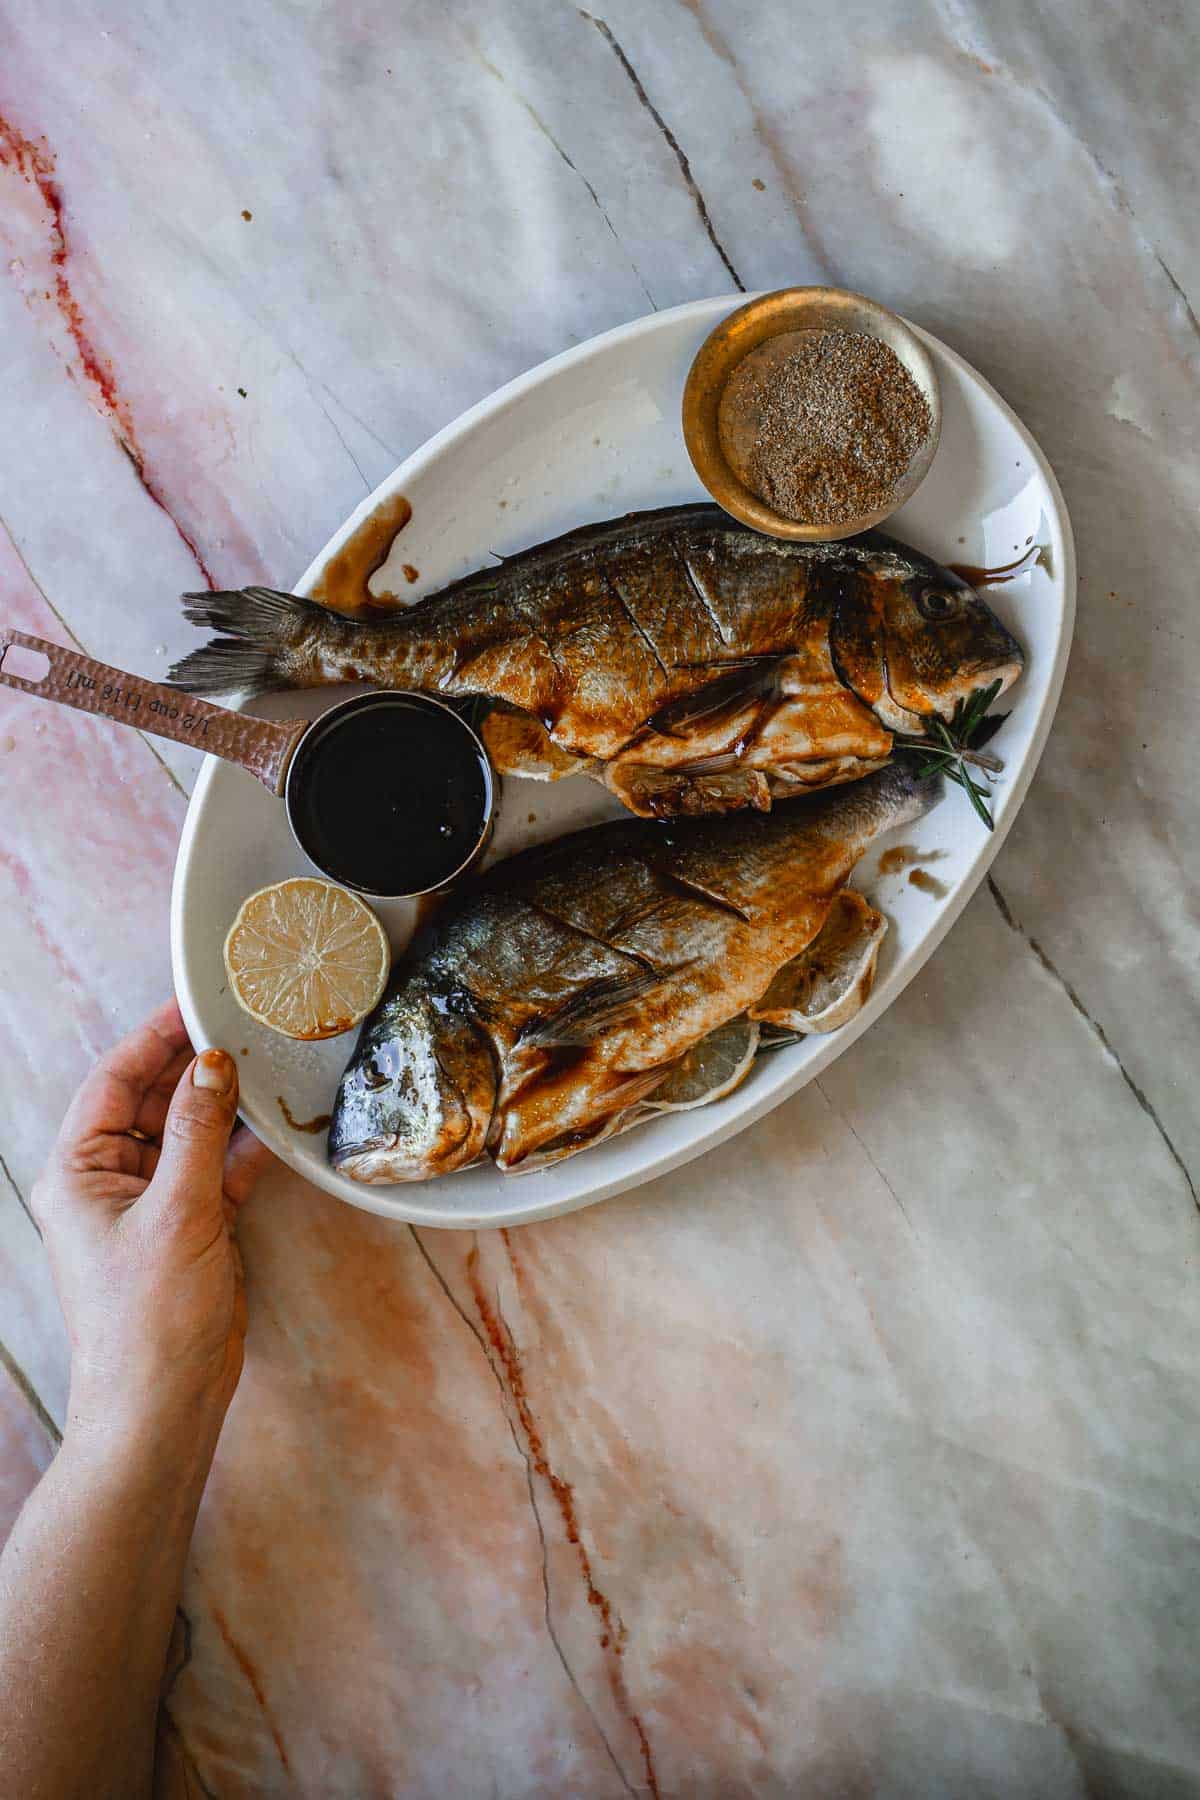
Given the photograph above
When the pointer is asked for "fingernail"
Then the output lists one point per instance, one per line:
(214, 1070)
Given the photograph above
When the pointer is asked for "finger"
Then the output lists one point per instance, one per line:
(196, 1131)
(245, 1163)
(110, 1098)
(152, 1113)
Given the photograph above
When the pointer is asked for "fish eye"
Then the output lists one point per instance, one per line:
(375, 1072)
(936, 604)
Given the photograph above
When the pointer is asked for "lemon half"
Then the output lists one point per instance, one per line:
(306, 958)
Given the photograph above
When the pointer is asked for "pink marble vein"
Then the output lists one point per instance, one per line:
(861, 1456)
(366, 1588)
(51, 261)
(453, 1536)
(35, 166)
(90, 824)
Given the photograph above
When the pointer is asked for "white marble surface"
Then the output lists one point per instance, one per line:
(877, 1429)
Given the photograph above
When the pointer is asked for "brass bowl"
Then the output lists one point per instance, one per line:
(795, 309)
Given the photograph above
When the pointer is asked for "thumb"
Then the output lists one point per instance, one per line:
(199, 1120)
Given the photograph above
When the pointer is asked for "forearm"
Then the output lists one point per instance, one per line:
(89, 1583)
(136, 1207)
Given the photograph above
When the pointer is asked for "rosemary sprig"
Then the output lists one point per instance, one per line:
(955, 748)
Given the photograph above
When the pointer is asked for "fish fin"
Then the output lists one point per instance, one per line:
(262, 614)
(750, 679)
(591, 1010)
(260, 625)
(679, 792)
(520, 1150)
(227, 666)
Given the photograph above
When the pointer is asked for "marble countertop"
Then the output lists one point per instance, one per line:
(860, 1457)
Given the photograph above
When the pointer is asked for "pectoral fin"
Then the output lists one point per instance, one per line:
(596, 1007)
(654, 793)
(587, 1105)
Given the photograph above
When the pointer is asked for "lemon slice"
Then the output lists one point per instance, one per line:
(711, 1069)
(829, 982)
(306, 958)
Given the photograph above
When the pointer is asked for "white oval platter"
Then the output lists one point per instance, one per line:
(590, 434)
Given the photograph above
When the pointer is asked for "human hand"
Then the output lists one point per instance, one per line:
(141, 1238)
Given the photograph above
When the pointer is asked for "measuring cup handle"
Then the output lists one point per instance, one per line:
(260, 745)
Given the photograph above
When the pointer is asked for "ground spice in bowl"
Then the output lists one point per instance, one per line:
(822, 425)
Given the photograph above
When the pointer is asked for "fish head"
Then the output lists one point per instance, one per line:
(417, 1097)
(917, 639)
(944, 643)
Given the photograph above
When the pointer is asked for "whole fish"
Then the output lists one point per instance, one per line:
(549, 1006)
(689, 663)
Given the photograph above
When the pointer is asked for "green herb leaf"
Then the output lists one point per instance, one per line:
(987, 728)
(978, 798)
(950, 747)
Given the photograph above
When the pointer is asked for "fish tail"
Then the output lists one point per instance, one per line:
(266, 642)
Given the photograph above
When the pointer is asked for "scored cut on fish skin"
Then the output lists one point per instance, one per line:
(550, 1002)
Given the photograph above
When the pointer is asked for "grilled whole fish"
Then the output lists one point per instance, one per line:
(691, 664)
(545, 1008)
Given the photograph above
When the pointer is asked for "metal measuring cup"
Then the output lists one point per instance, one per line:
(279, 753)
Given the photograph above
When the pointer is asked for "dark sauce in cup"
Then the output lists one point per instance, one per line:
(390, 794)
